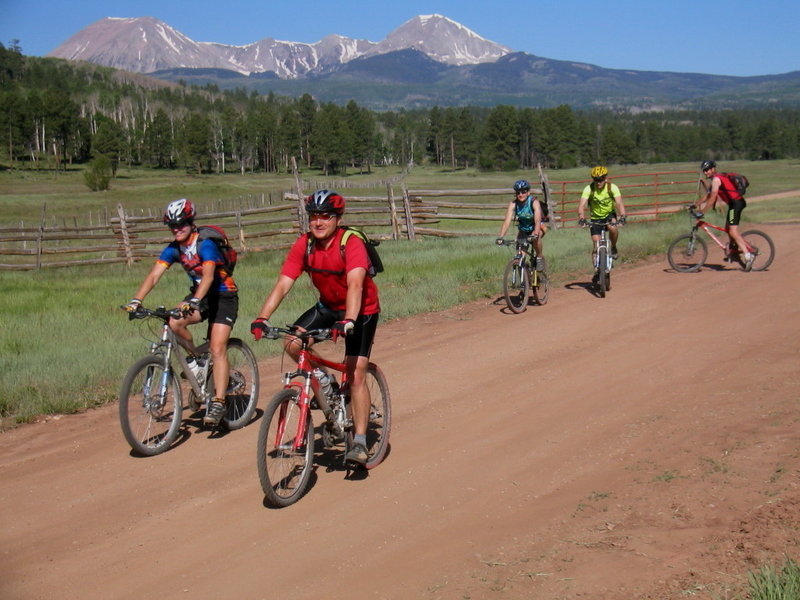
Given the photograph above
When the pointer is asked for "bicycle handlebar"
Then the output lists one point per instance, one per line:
(319, 335)
(159, 313)
(604, 224)
(694, 212)
(505, 242)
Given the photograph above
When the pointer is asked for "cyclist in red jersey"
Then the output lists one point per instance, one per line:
(736, 203)
(348, 299)
(213, 296)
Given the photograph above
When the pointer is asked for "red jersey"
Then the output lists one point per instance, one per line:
(727, 190)
(330, 271)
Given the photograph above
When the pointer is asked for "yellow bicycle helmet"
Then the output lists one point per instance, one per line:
(599, 172)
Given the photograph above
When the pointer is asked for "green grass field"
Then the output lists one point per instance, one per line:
(65, 345)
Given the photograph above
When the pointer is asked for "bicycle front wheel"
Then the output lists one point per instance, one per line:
(380, 417)
(284, 470)
(541, 291)
(150, 406)
(761, 245)
(516, 286)
(687, 253)
(241, 396)
(602, 274)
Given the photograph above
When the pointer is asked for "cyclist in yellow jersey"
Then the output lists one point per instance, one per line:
(605, 204)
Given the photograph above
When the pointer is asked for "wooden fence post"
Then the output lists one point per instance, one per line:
(548, 197)
(40, 238)
(393, 212)
(302, 218)
(126, 241)
(412, 234)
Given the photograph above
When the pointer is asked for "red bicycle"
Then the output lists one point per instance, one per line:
(286, 438)
(687, 253)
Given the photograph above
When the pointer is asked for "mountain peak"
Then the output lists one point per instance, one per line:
(147, 44)
(443, 40)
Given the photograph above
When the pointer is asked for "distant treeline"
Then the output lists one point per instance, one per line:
(60, 112)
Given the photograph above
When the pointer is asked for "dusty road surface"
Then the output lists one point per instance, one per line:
(645, 445)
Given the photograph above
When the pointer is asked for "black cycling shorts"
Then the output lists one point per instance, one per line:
(219, 308)
(358, 343)
(734, 213)
(595, 227)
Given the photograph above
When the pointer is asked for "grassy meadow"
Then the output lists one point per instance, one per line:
(65, 345)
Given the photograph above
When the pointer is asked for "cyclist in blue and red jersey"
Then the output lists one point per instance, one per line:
(530, 216)
(348, 299)
(722, 189)
(213, 296)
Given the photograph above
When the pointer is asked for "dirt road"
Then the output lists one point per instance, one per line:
(646, 445)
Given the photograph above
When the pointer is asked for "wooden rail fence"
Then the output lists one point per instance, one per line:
(259, 225)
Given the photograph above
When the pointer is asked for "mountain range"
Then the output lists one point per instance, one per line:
(428, 60)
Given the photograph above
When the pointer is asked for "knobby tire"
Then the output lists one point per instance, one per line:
(149, 425)
(284, 471)
(687, 253)
(241, 396)
(516, 286)
(380, 417)
(541, 291)
(765, 248)
(602, 263)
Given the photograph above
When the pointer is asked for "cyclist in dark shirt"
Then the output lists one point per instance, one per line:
(213, 296)
(527, 210)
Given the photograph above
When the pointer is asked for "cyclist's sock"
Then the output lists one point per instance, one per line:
(360, 438)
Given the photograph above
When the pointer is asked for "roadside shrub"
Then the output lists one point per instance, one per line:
(98, 175)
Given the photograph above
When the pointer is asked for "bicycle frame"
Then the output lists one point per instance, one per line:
(728, 248)
(166, 347)
(526, 254)
(302, 379)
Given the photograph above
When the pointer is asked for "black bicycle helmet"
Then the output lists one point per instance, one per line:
(179, 212)
(707, 164)
(522, 186)
(325, 201)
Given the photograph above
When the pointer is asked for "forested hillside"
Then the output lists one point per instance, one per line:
(54, 113)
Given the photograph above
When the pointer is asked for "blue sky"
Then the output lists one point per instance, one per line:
(701, 36)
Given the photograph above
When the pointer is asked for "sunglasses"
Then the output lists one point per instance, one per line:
(178, 226)
(320, 216)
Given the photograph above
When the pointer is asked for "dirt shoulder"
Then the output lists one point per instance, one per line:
(644, 445)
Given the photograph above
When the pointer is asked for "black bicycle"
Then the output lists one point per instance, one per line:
(521, 279)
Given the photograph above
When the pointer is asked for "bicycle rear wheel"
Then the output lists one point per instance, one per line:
(541, 291)
(516, 285)
(762, 247)
(380, 417)
(284, 470)
(687, 253)
(602, 275)
(150, 406)
(241, 397)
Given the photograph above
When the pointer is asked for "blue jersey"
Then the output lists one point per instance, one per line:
(524, 214)
(193, 255)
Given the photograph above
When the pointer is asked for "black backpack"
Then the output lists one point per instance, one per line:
(738, 183)
(375, 262)
(217, 234)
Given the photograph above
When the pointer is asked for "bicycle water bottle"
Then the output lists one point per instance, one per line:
(325, 384)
